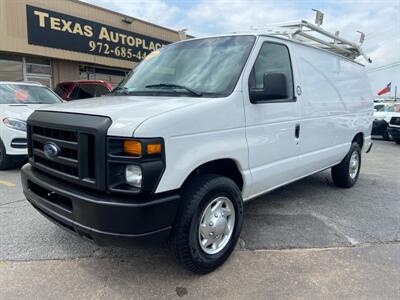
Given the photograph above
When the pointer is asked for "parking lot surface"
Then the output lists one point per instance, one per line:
(306, 239)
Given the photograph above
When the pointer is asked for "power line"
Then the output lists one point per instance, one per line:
(384, 67)
(382, 30)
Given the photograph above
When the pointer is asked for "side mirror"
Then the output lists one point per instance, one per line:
(274, 88)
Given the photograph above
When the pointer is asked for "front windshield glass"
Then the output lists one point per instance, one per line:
(204, 67)
(26, 94)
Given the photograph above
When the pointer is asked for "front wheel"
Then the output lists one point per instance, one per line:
(346, 173)
(209, 223)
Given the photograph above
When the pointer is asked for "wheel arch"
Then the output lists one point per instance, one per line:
(227, 167)
(359, 139)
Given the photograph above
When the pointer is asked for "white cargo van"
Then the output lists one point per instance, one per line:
(198, 128)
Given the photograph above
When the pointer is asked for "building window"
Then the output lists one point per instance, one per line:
(11, 68)
(38, 70)
(114, 76)
(17, 68)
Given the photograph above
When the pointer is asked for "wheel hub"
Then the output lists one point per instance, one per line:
(216, 225)
(354, 164)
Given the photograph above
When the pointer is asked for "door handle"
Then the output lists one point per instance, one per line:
(297, 131)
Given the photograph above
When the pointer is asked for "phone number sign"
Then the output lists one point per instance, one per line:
(56, 30)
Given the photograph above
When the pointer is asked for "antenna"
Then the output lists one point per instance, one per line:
(319, 17)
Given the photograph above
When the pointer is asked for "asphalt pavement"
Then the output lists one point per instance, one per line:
(308, 239)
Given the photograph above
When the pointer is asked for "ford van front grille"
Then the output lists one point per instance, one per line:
(71, 147)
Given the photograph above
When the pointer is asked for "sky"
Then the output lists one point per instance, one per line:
(378, 19)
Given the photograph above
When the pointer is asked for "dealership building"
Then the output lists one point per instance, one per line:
(54, 41)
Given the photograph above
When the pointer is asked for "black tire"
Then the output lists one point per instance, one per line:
(397, 142)
(386, 136)
(196, 196)
(6, 161)
(341, 172)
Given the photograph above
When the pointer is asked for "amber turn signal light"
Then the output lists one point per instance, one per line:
(153, 149)
(133, 148)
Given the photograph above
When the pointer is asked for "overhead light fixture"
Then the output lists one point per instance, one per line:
(127, 20)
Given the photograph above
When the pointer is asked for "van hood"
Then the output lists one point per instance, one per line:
(19, 111)
(126, 112)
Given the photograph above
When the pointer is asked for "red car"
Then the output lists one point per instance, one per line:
(81, 89)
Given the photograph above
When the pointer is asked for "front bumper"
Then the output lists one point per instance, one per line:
(11, 139)
(106, 219)
(394, 132)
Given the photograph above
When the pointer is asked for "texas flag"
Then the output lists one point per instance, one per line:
(385, 90)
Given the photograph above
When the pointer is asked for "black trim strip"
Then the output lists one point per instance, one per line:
(62, 160)
(61, 143)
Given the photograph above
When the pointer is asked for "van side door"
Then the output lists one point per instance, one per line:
(272, 116)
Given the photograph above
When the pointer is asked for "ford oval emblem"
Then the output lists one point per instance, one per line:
(51, 150)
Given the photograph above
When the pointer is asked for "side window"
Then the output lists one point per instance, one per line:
(83, 91)
(74, 93)
(61, 89)
(101, 90)
(271, 78)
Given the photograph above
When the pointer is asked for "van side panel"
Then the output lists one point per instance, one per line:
(336, 104)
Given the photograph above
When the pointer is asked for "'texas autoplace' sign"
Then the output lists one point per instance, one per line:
(56, 30)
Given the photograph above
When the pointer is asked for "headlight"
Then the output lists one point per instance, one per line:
(133, 176)
(15, 124)
(135, 165)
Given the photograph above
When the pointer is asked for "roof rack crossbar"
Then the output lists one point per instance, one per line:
(330, 45)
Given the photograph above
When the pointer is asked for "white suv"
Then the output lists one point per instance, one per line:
(198, 128)
(383, 113)
(17, 101)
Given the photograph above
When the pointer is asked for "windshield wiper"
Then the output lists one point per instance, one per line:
(175, 86)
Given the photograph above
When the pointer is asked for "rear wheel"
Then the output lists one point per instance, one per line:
(346, 173)
(386, 136)
(209, 223)
(6, 161)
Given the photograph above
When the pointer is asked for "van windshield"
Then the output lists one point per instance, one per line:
(26, 94)
(205, 67)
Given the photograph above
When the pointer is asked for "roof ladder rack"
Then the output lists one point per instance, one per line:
(314, 35)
